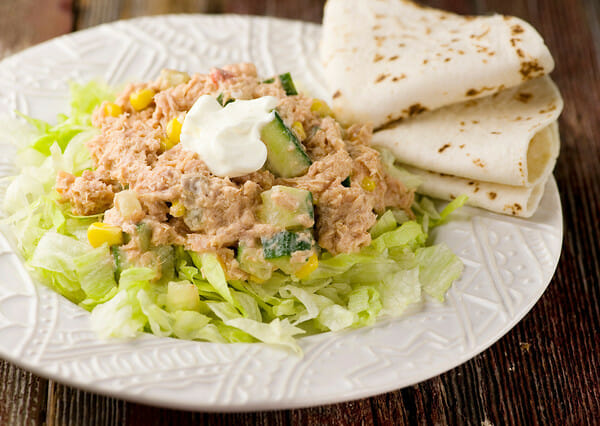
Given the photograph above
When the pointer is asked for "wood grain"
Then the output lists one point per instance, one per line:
(545, 371)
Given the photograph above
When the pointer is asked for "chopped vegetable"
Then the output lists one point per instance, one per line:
(320, 107)
(368, 184)
(113, 109)
(141, 99)
(102, 233)
(285, 154)
(173, 133)
(288, 84)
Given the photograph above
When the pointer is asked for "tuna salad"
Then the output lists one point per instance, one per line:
(160, 193)
(221, 207)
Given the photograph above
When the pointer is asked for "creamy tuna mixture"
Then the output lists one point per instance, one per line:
(221, 212)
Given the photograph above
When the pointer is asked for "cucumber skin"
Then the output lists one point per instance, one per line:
(283, 244)
(282, 161)
(288, 84)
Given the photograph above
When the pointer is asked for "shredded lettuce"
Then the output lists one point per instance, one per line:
(189, 296)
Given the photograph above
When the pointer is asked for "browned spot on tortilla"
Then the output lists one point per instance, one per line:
(379, 40)
(475, 121)
(461, 146)
(476, 189)
(427, 30)
(514, 41)
(496, 133)
(337, 94)
(491, 53)
(425, 61)
(462, 123)
(401, 44)
(461, 130)
(377, 57)
(461, 52)
(393, 58)
(516, 29)
(454, 40)
(471, 183)
(438, 54)
(471, 92)
(376, 27)
(514, 208)
(479, 163)
(444, 147)
(452, 197)
(531, 69)
(492, 195)
(414, 109)
(381, 77)
(523, 97)
(485, 61)
(398, 77)
(520, 53)
(549, 109)
(519, 118)
(379, 16)
(447, 59)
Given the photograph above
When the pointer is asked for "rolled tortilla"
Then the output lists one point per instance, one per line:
(508, 138)
(519, 201)
(391, 59)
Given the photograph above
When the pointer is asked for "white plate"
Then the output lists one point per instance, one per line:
(509, 262)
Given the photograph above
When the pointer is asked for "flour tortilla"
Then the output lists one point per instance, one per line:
(391, 59)
(521, 201)
(508, 138)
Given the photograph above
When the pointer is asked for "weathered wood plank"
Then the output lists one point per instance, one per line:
(92, 12)
(307, 10)
(22, 396)
(27, 22)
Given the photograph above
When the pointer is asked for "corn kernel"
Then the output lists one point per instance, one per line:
(112, 109)
(173, 132)
(368, 184)
(299, 129)
(311, 264)
(320, 107)
(99, 233)
(177, 209)
(141, 99)
(256, 279)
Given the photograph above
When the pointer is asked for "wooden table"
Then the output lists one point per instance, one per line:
(546, 370)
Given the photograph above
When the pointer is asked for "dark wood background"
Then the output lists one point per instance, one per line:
(545, 371)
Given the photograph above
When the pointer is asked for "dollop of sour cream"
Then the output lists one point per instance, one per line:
(228, 138)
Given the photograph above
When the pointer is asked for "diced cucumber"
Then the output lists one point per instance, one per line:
(285, 243)
(287, 207)
(121, 262)
(288, 84)
(251, 260)
(144, 233)
(285, 154)
(220, 100)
